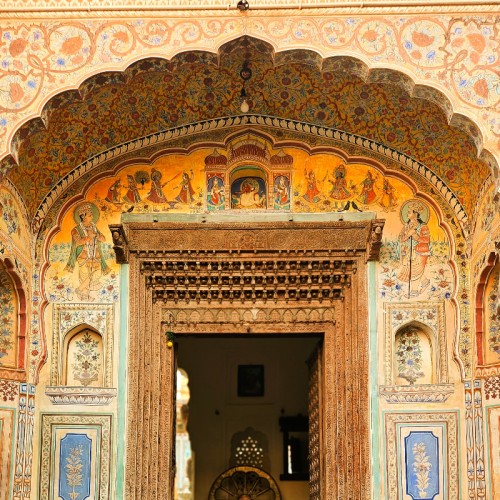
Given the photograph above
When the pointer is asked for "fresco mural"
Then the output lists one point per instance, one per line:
(216, 195)
(414, 258)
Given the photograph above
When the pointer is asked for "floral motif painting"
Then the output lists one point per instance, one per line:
(75, 457)
(75, 463)
(422, 465)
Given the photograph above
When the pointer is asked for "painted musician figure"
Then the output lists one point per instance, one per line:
(86, 250)
(415, 244)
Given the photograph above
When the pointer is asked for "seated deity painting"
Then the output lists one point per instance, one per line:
(248, 193)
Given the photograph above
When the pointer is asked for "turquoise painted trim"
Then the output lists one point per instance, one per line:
(487, 441)
(373, 384)
(122, 382)
(13, 450)
(238, 216)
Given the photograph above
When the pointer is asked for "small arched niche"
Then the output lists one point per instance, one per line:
(83, 358)
(414, 359)
(415, 353)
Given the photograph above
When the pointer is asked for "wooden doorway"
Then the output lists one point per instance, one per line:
(229, 278)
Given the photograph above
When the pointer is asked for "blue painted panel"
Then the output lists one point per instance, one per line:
(422, 465)
(75, 465)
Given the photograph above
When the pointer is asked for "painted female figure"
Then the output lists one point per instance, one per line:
(132, 194)
(312, 192)
(281, 192)
(216, 194)
(113, 195)
(367, 194)
(414, 241)
(186, 193)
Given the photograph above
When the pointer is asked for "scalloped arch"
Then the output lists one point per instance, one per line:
(264, 57)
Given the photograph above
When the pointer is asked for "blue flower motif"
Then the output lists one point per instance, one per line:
(431, 54)
(462, 83)
(5, 64)
(32, 84)
(7, 35)
(61, 61)
(447, 295)
(3, 122)
(408, 45)
(398, 286)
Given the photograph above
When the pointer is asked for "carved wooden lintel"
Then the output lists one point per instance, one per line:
(120, 243)
(158, 239)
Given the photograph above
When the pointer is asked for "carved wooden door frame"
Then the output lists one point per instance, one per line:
(259, 278)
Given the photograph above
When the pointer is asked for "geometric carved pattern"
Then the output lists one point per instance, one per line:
(217, 278)
(249, 447)
(315, 405)
(395, 422)
(197, 318)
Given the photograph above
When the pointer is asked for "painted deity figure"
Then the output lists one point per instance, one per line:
(186, 189)
(86, 250)
(367, 194)
(414, 243)
(249, 196)
(155, 194)
(132, 195)
(282, 192)
(216, 196)
(339, 189)
(312, 191)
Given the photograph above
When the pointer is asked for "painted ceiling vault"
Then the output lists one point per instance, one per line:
(158, 94)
